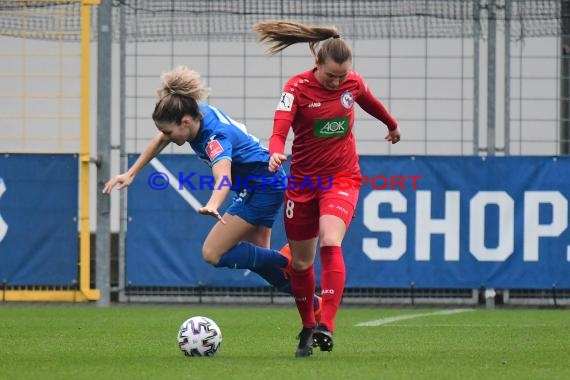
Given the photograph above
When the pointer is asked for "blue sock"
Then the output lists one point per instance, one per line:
(315, 302)
(275, 277)
(245, 255)
(268, 263)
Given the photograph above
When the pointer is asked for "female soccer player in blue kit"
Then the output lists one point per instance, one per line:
(241, 238)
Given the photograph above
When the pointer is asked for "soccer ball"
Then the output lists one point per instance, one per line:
(199, 336)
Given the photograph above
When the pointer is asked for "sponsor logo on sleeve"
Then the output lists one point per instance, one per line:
(285, 102)
(214, 149)
(337, 127)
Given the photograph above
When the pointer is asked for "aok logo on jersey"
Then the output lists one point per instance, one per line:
(337, 127)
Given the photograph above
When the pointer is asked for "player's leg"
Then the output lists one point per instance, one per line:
(333, 278)
(261, 210)
(275, 270)
(336, 214)
(303, 289)
(301, 227)
(317, 301)
(226, 245)
(248, 220)
(243, 241)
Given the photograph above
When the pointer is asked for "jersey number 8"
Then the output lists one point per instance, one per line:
(289, 209)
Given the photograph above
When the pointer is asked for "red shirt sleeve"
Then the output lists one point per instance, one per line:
(279, 136)
(372, 106)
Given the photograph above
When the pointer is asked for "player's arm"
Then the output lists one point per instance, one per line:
(375, 108)
(222, 172)
(277, 143)
(154, 147)
(284, 116)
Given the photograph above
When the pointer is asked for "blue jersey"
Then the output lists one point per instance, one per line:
(222, 138)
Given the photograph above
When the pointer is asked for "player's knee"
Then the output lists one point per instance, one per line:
(300, 265)
(331, 240)
(210, 255)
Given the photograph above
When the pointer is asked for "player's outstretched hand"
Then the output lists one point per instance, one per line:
(275, 161)
(207, 210)
(120, 180)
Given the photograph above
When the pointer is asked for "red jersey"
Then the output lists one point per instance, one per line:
(322, 121)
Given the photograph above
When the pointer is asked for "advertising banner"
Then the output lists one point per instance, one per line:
(38, 219)
(428, 222)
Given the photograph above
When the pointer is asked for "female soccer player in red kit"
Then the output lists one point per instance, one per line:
(319, 105)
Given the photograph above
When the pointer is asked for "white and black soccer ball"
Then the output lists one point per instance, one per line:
(199, 336)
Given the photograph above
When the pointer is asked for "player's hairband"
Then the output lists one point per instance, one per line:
(170, 92)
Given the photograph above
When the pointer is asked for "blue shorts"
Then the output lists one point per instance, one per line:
(258, 207)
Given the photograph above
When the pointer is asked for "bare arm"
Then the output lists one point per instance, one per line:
(154, 147)
(222, 171)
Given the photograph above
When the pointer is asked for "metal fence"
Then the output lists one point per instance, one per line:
(462, 77)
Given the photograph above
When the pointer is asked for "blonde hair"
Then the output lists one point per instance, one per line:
(182, 81)
(281, 34)
(180, 91)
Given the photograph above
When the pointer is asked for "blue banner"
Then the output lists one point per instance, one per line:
(165, 233)
(38, 219)
(430, 222)
(461, 222)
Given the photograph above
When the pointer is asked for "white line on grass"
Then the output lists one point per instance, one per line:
(397, 318)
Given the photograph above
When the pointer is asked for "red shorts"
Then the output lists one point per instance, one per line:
(303, 208)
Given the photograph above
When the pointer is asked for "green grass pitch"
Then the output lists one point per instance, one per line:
(139, 342)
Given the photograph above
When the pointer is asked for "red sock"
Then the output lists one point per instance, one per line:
(333, 279)
(303, 288)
